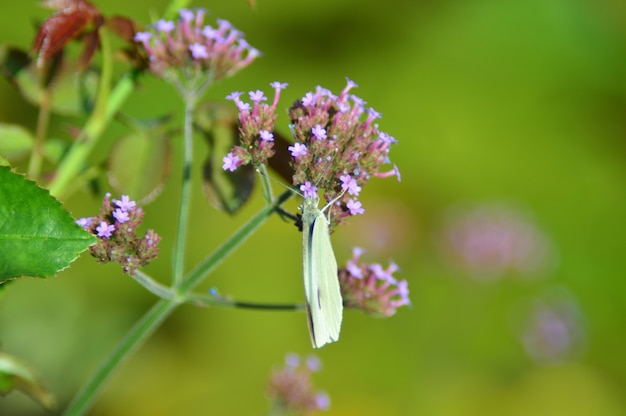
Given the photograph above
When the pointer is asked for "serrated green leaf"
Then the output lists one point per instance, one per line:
(14, 374)
(139, 164)
(15, 141)
(227, 191)
(38, 237)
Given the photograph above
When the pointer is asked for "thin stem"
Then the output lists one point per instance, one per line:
(207, 265)
(43, 120)
(82, 147)
(163, 308)
(152, 285)
(132, 341)
(204, 300)
(167, 293)
(267, 188)
(184, 201)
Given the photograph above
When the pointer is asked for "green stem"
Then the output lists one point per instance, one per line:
(207, 266)
(106, 106)
(204, 300)
(167, 293)
(267, 188)
(133, 340)
(152, 285)
(43, 120)
(185, 197)
(163, 308)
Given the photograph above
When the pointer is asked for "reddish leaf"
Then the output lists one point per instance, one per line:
(56, 32)
(123, 27)
(91, 43)
(73, 17)
(126, 28)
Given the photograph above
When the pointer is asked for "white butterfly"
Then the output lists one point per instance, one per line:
(324, 304)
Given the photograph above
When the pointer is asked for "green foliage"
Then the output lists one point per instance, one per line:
(15, 374)
(139, 164)
(225, 190)
(73, 90)
(37, 236)
(15, 141)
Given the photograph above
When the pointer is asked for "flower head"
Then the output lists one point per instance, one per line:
(187, 43)
(372, 288)
(290, 388)
(256, 123)
(343, 147)
(337, 144)
(116, 229)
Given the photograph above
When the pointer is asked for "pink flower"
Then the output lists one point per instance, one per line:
(354, 207)
(297, 150)
(231, 162)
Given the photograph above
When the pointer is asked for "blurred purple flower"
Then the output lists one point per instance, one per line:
(290, 389)
(492, 240)
(550, 327)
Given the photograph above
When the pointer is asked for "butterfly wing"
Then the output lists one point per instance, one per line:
(323, 294)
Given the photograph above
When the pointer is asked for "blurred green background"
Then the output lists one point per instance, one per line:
(494, 103)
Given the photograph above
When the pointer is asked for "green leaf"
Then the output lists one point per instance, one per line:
(72, 91)
(227, 191)
(14, 374)
(54, 149)
(37, 236)
(139, 164)
(15, 141)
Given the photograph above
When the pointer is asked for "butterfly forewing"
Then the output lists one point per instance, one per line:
(323, 294)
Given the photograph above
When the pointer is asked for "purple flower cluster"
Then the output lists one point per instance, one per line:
(188, 42)
(489, 241)
(338, 146)
(256, 123)
(371, 288)
(116, 228)
(552, 328)
(290, 389)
